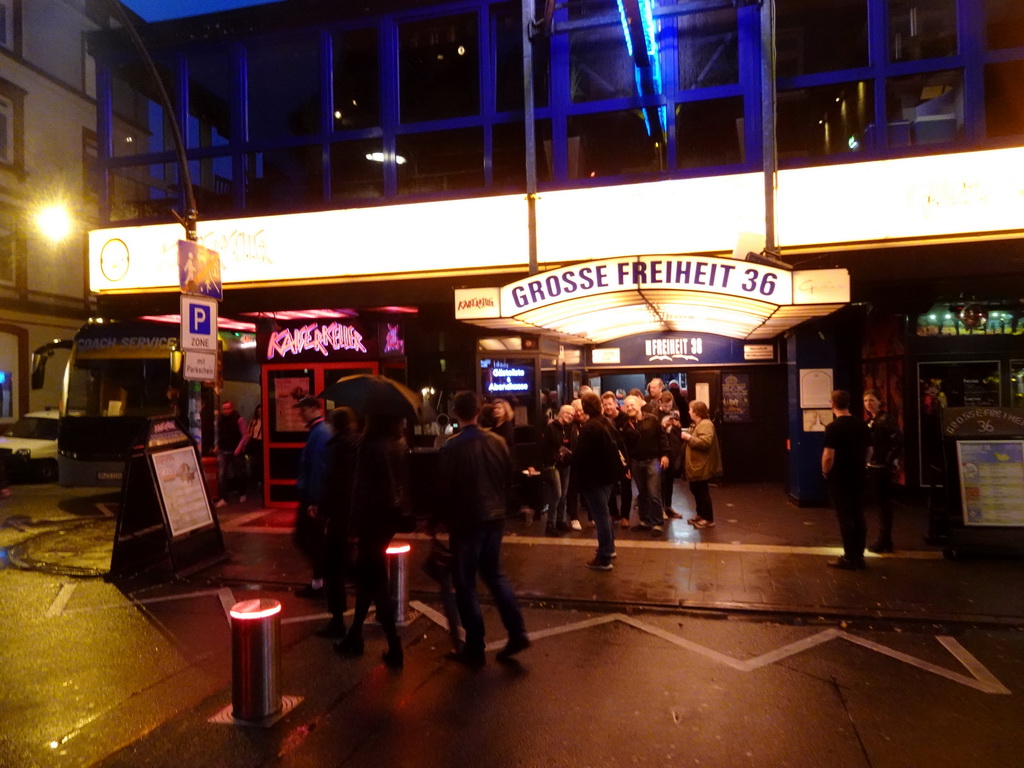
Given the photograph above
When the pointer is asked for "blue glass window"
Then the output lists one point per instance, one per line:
(438, 68)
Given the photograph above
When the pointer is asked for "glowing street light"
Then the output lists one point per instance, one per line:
(54, 221)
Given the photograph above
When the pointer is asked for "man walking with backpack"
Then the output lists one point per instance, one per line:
(598, 464)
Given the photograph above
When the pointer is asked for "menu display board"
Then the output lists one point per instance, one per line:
(991, 481)
(182, 489)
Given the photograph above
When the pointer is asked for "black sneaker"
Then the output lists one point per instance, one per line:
(351, 646)
(394, 658)
(552, 531)
(513, 646)
(599, 564)
(880, 548)
(309, 592)
(641, 527)
(657, 530)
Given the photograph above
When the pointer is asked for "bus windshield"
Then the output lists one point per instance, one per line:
(119, 387)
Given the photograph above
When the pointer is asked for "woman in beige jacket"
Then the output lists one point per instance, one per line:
(703, 462)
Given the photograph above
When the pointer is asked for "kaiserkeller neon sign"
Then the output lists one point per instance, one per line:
(315, 337)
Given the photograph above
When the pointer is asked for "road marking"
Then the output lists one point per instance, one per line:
(227, 601)
(980, 678)
(105, 509)
(61, 600)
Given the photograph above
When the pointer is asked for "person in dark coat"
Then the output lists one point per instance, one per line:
(647, 445)
(673, 427)
(475, 475)
(334, 508)
(593, 462)
(379, 496)
(309, 527)
(882, 458)
(556, 454)
(842, 464)
(621, 500)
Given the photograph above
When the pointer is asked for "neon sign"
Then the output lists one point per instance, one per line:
(392, 341)
(314, 337)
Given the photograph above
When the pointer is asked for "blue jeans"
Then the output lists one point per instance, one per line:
(478, 550)
(597, 502)
(558, 493)
(647, 476)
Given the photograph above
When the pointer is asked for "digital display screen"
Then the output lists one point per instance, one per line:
(507, 378)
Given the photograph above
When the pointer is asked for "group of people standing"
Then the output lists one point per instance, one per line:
(596, 451)
(354, 491)
(239, 449)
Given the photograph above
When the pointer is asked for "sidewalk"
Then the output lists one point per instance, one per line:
(764, 556)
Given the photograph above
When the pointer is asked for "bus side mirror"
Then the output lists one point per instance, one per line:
(38, 376)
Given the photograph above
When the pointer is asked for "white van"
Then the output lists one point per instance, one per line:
(30, 447)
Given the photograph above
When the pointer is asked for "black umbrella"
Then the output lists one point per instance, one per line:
(373, 395)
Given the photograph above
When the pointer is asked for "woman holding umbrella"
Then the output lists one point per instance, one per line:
(379, 496)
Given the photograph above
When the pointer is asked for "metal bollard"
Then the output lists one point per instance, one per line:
(255, 659)
(398, 583)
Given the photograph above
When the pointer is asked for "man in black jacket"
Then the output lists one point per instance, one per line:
(647, 445)
(474, 478)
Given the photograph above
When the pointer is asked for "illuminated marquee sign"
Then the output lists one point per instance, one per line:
(676, 348)
(722, 276)
(314, 337)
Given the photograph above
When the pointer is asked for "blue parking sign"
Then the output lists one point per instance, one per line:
(199, 319)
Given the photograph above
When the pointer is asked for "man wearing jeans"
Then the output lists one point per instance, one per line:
(473, 480)
(647, 445)
(595, 462)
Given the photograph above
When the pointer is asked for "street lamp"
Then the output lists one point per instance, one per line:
(54, 221)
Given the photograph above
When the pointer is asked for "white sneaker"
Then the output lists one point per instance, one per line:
(220, 503)
(576, 526)
(241, 499)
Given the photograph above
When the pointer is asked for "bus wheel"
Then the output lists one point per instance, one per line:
(47, 471)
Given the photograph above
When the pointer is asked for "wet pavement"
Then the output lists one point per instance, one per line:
(765, 555)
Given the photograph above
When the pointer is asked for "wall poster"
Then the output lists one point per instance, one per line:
(736, 397)
(182, 489)
(991, 481)
(816, 388)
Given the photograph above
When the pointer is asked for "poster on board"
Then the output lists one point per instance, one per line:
(991, 481)
(182, 489)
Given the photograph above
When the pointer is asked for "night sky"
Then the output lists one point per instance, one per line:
(158, 10)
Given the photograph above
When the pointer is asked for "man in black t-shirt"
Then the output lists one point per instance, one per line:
(842, 464)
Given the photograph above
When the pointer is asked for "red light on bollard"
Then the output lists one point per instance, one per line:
(398, 549)
(253, 609)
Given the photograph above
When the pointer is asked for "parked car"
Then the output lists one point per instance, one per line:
(29, 449)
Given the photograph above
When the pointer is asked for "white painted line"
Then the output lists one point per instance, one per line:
(982, 679)
(310, 617)
(561, 630)
(435, 616)
(985, 686)
(227, 601)
(132, 603)
(973, 665)
(792, 649)
(689, 645)
(61, 600)
(105, 509)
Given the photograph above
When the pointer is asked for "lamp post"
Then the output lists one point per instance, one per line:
(191, 215)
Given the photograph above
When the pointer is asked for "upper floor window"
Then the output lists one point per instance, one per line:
(7, 24)
(7, 248)
(141, 123)
(283, 76)
(356, 79)
(922, 29)
(814, 36)
(6, 131)
(211, 94)
(708, 49)
(1004, 23)
(600, 66)
(438, 68)
(12, 113)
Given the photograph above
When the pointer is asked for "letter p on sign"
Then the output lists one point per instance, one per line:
(199, 320)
